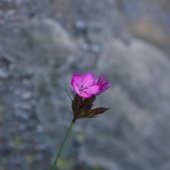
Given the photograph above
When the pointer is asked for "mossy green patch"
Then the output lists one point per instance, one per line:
(64, 164)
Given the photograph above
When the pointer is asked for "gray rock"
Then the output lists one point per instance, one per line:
(39, 42)
(135, 132)
(40, 53)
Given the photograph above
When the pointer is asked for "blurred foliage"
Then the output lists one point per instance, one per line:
(29, 158)
(17, 140)
(64, 164)
(80, 137)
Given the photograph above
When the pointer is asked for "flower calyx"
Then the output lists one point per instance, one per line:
(82, 108)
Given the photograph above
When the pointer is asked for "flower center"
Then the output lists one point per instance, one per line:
(82, 88)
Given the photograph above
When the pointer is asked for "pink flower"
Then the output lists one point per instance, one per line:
(86, 86)
(103, 83)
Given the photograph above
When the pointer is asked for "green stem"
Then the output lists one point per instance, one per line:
(62, 146)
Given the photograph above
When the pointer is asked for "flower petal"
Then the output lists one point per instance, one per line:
(105, 87)
(85, 95)
(75, 87)
(87, 80)
(76, 78)
(101, 79)
(103, 83)
(94, 89)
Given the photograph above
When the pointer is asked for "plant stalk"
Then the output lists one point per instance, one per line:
(53, 167)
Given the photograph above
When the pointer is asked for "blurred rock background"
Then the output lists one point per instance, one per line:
(43, 42)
